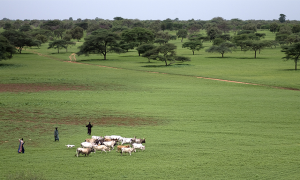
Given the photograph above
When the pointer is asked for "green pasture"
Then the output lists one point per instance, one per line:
(194, 128)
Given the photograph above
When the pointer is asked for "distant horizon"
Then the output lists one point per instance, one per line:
(266, 10)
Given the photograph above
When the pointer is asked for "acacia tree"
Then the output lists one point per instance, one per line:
(58, 44)
(6, 49)
(59, 33)
(255, 46)
(100, 42)
(165, 53)
(292, 52)
(193, 45)
(182, 33)
(144, 48)
(223, 48)
(17, 39)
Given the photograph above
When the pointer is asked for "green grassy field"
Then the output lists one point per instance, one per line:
(195, 128)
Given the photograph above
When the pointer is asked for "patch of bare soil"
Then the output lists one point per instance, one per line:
(45, 118)
(38, 87)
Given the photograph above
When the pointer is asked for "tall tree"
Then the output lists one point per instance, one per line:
(282, 18)
(100, 42)
(292, 53)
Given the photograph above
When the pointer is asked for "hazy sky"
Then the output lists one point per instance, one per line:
(150, 9)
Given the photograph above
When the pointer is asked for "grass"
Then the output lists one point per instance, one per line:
(203, 129)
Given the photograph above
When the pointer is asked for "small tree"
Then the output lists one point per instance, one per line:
(144, 48)
(193, 45)
(255, 46)
(160, 41)
(292, 53)
(41, 38)
(58, 44)
(165, 53)
(69, 43)
(274, 27)
(222, 48)
(182, 33)
(59, 33)
(77, 33)
(296, 28)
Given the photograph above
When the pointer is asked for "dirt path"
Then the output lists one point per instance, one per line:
(215, 79)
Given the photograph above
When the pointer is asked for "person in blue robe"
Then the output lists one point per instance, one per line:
(56, 134)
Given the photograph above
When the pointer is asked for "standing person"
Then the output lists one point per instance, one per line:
(56, 134)
(89, 127)
(21, 146)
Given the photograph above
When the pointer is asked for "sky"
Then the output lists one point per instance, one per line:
(149, 9)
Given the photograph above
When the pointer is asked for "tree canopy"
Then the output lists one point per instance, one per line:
(165, 53)
(193, 45)
(6, 49)
(100, 42)
(223, 48)
(17, 39)
(182, 33)
(292, 52)
(58, 44)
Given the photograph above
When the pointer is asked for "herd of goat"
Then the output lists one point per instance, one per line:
(107, 143)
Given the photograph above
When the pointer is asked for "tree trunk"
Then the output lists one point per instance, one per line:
(295, 64)
(193, 52)
(222, 55)
(58, 50)
(181, 39)
(255, 55)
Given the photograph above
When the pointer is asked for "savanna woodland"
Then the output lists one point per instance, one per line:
(214, 99)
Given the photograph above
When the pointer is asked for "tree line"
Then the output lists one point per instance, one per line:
(120, 35)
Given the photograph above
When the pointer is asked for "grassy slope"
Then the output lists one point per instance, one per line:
(210, 129)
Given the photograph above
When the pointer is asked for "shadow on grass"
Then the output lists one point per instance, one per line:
(250, 58)
(220, 57)
(154, 66)
(60, 53)
(163, 65)
(92, 60)
(10, 65)
(289, 70)
(24, 53)
(130, 56)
